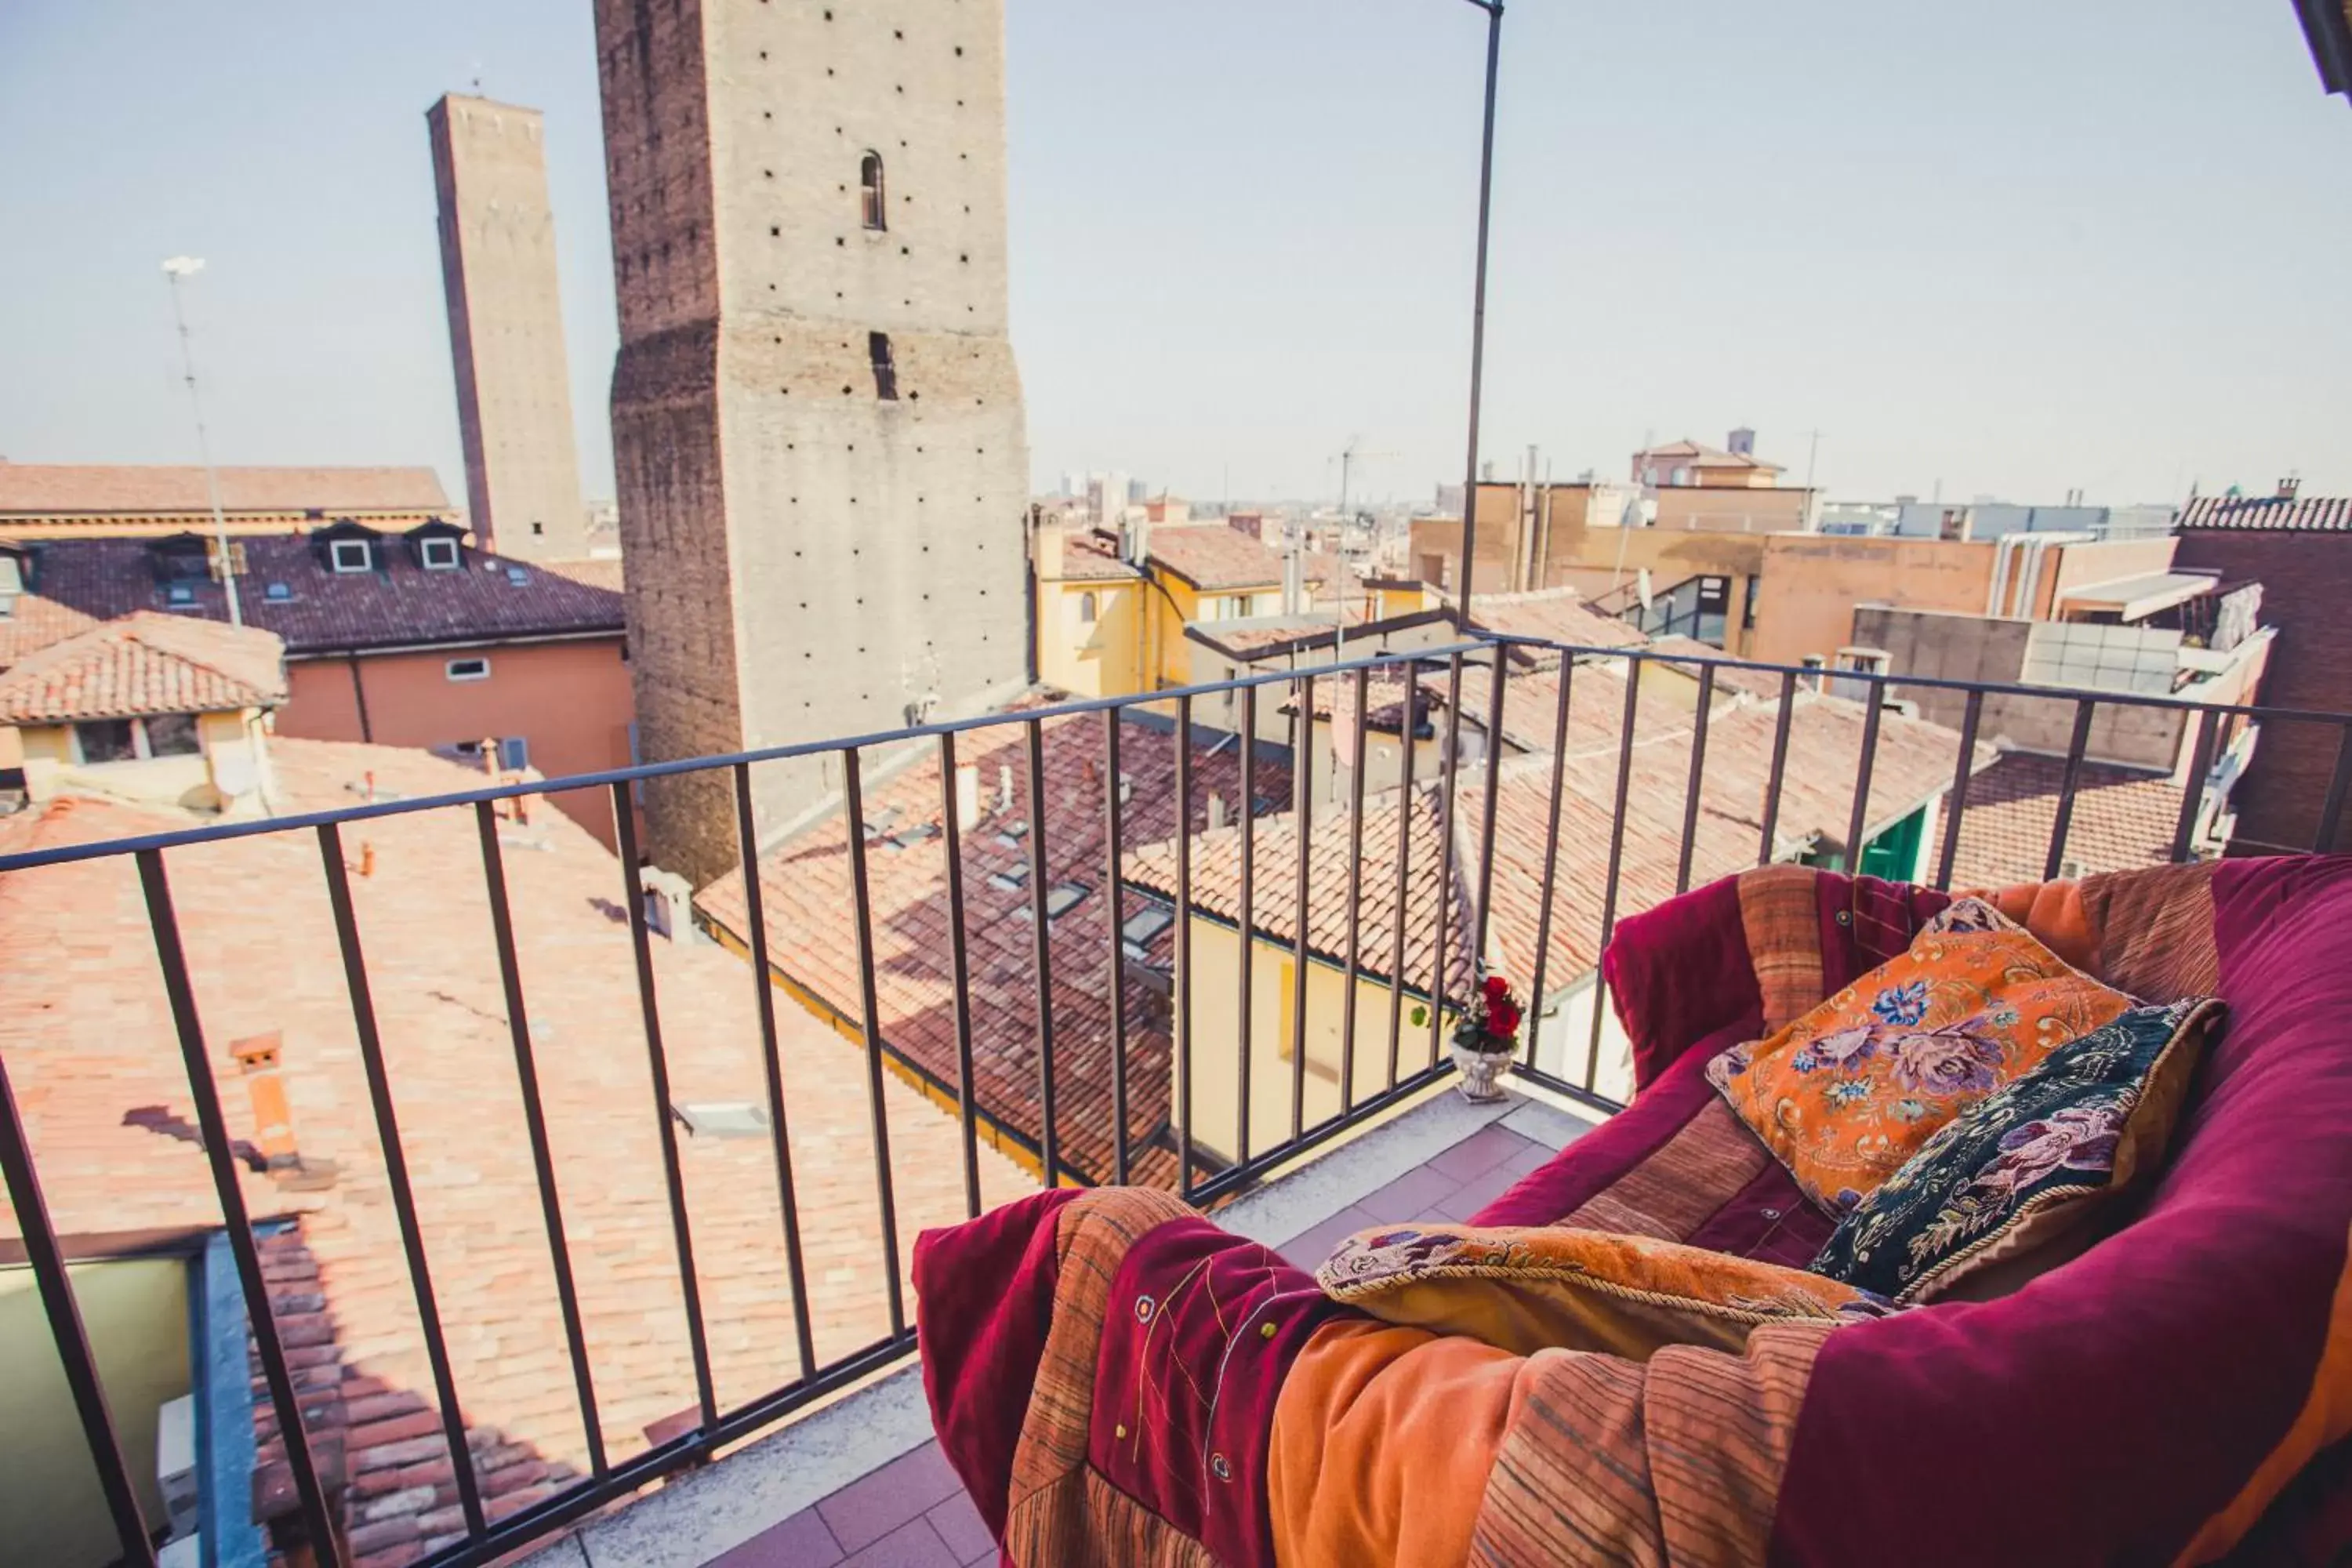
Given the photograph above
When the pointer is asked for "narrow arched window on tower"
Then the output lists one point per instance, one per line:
(886, 370)
(869, 181)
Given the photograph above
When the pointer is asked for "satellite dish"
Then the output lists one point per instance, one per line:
(1641, 587)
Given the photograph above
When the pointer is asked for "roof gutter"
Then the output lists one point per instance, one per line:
(369, 650)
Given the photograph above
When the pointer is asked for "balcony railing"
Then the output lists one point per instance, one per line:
(1434, 681)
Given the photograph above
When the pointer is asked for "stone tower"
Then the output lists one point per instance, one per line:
(820, 450)
(506, 328)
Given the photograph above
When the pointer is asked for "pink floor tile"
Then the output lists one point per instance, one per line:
(877, 1503)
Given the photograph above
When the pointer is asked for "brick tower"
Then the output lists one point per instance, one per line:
(820, 450)
(506, 328)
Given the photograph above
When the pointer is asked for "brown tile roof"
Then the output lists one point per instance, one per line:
(1727, 677)
(100, 489)
(1559, 614)
(400, 604)
(1211, 556)
(2300, 514)
(1700, 455)
(1914, 760)
(598, 572)
(2124, 819)
(1089, 557)
(146, 662)
(806, 890)
(91, 1054)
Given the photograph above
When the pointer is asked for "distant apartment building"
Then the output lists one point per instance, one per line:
(414, 639)
(2300, 548)
(506, 328)
(818, 433)
(98, 500)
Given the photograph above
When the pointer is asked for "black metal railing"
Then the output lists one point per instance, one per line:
(1201, 1175)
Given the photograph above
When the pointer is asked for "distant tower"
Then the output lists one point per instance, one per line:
(820, 450)
(506, 328)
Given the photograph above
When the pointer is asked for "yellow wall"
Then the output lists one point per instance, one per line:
(1103, 658)
(1216, 1036)
(136, 1316)
(230, 774)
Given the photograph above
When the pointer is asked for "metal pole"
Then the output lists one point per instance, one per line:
(181, 267)
(1493, 9)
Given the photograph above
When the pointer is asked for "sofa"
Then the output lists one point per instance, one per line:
(1119, 1380)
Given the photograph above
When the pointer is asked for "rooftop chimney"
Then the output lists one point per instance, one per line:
(1743, 442)
(273, 1118)
(2288, 486)
(1216, 811)
(967, 794)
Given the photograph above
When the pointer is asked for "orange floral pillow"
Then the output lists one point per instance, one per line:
(1847, 1093)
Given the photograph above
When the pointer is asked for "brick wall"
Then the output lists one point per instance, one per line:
(2306, 580)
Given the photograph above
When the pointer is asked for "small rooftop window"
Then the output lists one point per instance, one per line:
(279, 593)
(438, 555)
(179, 596)
(350, 555)
(1136, 936)
(880, 823)
(516, 577)
(1012, 834)
(1063, 898)
(907, 837)
(723, 1119)
(1010, 880)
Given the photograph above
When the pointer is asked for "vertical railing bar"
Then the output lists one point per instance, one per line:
(960, 966)
(870, 1017)
(1114, 880)
(1355, 896)
(1773, 780)
(1535, 1005)
(1858, 822)
(1302, 822)
(1446, 857)
(2192, 794)
(396, 1170)
(494, 879)
(1494, 717)
(1693, 791)
(1408, 811)
(2331, 812)
(42, 1251)
(698, 1337)
(2071, 780)
(1049, 1147)
(1247, 913)
(180, 992)
(1962, 771)
(763, 995)
(1184, 977)
(1616, 866)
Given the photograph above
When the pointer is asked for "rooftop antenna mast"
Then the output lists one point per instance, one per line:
(175, 269)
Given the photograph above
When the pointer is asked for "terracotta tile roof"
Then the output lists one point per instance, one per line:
(146, 663)
(65, 490)
(1700, 455)
(2122, 819)
(2300, 514)
(806, 890)
(599, 571)
(90, 1052)
(1559, 614)
(401, 604)
(1088, 557)
(1913, 762)
(1211, 556)
(34, 622)
(1727, 677)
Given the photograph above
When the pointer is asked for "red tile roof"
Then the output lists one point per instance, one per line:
(70, 490)
(1088, 557)
(2300, 514)
(1559, 614)
(600, 572)
(91, 1054)
(399, 604)
(146, 663)
(806, 891)
(1211, 556)
(1727, 677)
(2124, 819)
(1700, 455)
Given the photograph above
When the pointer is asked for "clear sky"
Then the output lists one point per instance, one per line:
(2011, 248)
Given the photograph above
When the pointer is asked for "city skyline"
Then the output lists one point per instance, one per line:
(2000, 288)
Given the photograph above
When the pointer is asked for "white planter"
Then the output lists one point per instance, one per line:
(1480, 1074)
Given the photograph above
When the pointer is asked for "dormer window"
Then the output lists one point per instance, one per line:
(351, 555)
(438, 555)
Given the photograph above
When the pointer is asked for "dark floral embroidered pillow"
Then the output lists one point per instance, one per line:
(2029, 1160)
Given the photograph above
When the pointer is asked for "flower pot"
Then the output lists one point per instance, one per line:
(1480, 1074)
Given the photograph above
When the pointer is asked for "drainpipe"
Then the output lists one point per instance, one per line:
(359, 696)
(1993, 596)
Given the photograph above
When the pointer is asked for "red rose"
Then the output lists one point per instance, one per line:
(1503, 1020)
(1497, 988)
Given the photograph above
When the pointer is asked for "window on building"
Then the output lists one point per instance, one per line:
(106, 741)
(1136, 936)
(179, 596)
(172, 735)
(467, 669)
(1086, 609)
(514, 754)
(873, 203)
(886, 370)
(279, 593)
(439, 555)
(351, 555)
(516, 577)
(1063, 898)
